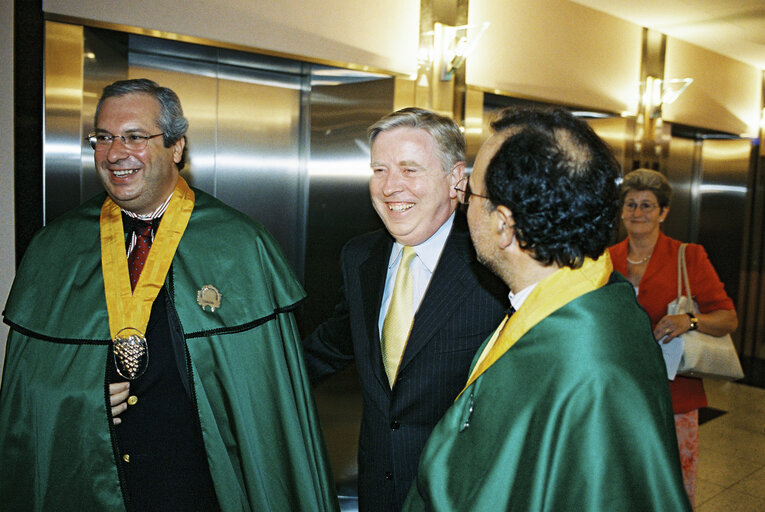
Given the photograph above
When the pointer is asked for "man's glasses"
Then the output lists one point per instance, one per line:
(134, 141)
(464, 193)
(645, 207)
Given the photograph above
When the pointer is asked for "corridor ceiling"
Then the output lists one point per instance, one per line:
(734, 28)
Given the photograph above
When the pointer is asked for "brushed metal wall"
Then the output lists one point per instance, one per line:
(722, 193)
(709, 174)
(63, 105)
(682, 167)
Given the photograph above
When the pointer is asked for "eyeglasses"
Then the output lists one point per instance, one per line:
(464, 194)
(644, 207)
(134, 141)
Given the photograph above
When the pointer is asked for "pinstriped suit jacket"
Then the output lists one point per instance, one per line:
(463, 304)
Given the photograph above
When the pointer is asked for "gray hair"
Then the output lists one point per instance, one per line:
(171, 120)
(450, 142)
(647, 179)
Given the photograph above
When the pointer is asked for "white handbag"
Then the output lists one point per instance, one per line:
(704, 355)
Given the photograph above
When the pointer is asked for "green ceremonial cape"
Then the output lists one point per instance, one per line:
(575, 416)
(259, 424)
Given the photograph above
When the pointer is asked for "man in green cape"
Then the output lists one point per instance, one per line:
(153, 361)
(567, 405)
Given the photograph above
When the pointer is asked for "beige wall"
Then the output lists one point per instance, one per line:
(556, 51)
(7, 231)
(382, 35)
(725, 93)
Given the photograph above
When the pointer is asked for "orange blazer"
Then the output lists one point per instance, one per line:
(658, 287)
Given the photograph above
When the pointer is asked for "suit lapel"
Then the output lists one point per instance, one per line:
(373, 272)
(451, 281)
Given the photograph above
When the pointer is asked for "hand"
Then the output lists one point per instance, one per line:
(118, 394)
(671, 326)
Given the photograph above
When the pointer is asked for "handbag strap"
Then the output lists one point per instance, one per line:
(682, 279)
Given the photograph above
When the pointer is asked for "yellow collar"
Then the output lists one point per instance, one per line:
(551, 293)
(131, 308)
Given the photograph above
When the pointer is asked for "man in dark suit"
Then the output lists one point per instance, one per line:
(413, 335)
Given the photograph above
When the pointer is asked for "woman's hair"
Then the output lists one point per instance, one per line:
(646, 179)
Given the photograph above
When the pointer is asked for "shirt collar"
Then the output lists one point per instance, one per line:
(149, 216)
(428, 251)
(517, 299)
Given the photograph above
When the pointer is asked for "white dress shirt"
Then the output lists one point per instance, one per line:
(516, 299)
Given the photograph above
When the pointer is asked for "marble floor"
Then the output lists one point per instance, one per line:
(731, 474)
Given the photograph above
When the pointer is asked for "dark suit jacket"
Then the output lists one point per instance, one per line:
(463, 304)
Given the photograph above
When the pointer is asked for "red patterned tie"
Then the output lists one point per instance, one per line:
(140, 251)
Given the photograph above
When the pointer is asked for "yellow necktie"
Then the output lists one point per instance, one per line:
(398, 321)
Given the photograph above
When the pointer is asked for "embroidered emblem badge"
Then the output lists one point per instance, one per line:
(209, 296)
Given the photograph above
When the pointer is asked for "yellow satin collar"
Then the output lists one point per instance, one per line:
(131, 308)
(550, 294)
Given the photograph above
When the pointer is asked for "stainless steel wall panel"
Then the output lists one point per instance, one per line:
(257, 159)
(160, 49)
(752, 292)
(63, 104)
(260, 62)
(722, 206)
(681, 223)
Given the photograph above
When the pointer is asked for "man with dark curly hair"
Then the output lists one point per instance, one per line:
(565, 407)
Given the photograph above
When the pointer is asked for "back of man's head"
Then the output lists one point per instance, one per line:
(559, 179)
(449, 139)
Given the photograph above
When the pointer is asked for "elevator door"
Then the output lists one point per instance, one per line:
(722, 189)
(243, 140)
(709, 177)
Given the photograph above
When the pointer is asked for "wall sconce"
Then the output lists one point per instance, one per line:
(658, 93)
(672, 89)
(454, 45)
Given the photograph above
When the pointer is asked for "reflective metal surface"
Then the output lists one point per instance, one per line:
(63, 105)
(709, 175)
(682, 166)
(752, 293)
(722, 189)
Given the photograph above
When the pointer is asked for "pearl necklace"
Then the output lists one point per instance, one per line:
(639, 262)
